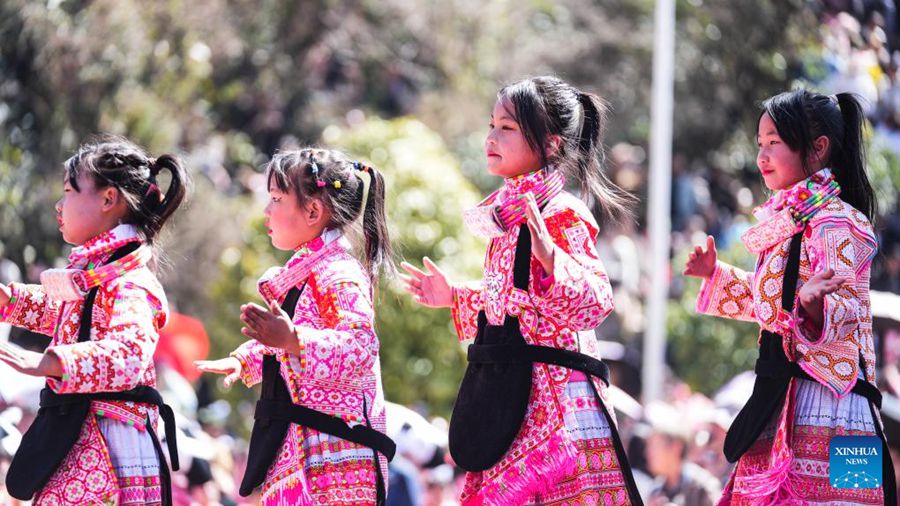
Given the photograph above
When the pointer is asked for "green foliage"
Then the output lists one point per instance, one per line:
(422, 360)
(707, 351)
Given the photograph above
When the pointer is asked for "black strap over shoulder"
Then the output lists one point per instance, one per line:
(792, 273)
(84, 329)
(518, 353)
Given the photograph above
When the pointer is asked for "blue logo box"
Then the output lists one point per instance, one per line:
(855, 462)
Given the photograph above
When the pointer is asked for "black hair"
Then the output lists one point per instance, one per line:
(545, 106)
(331, 176)
(801, 117)
(118, 162)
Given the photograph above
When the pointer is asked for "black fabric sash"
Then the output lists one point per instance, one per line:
(275, 411)
(60, 418)
(511, 353)
(268, 409)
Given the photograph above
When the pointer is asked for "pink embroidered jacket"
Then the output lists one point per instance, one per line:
(127, 315)
(338, 371)
(560, 311)
(837, 237)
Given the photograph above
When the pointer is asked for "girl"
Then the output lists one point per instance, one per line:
(810, 296)
(319, 436)
(532, 421)
(93, 441)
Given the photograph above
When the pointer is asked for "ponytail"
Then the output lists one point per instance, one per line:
(379, 252)
(612, 201)
(848, 159)
(155, 206)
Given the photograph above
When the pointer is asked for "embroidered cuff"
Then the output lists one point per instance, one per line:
(250, 375)
(68, 357)
(301, 355)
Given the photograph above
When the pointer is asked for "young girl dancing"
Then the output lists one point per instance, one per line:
(94, 439)
(319, 431)
(810, 295)
(532, 422)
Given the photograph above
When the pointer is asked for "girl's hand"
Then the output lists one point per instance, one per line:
(701, 263)
(813, 292)
(432, 289)
(30, 362)
(271, 327)
(541, 243)
(229, 366)
(5, 294)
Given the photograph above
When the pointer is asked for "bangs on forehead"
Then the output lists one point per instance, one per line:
(521, 100)
(275, 172)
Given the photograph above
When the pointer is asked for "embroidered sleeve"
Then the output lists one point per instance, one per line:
(250, 355)
(577, 294)
(30, 308)
(467, 302)
(727, 294)
(122, 351)
(831, 353)
(347, 347)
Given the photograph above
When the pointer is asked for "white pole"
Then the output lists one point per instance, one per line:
(658, 219)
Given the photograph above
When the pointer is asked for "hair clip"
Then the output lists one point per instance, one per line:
(337, 184)
(359, 166)
(314, 168)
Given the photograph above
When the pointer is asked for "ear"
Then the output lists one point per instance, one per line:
(820, 149)
(551, 146)
(112, 198)
(316, 213)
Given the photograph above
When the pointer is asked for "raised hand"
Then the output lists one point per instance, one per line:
(812, 294)
(702, 262)
(272, 327)
(229, 366)
(541, 243)
(431, 289)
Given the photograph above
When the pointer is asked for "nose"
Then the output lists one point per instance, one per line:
(58, 206)
(762, 158)
(267, 210)
(491, 139)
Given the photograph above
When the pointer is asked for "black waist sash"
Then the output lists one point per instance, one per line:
(60, 418)
(493, 396)
(275, 411)
(773, 375)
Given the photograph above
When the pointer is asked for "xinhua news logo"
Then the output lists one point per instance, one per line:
(855, 462)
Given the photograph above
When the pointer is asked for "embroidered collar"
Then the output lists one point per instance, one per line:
(277, 281)
(522, 184)
(504, 209)
(787, 212)
(86, 264)
(100, 247)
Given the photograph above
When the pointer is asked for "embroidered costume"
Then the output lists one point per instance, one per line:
(565, 451)
(115, 459)
(825, 375)
(338, 373)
